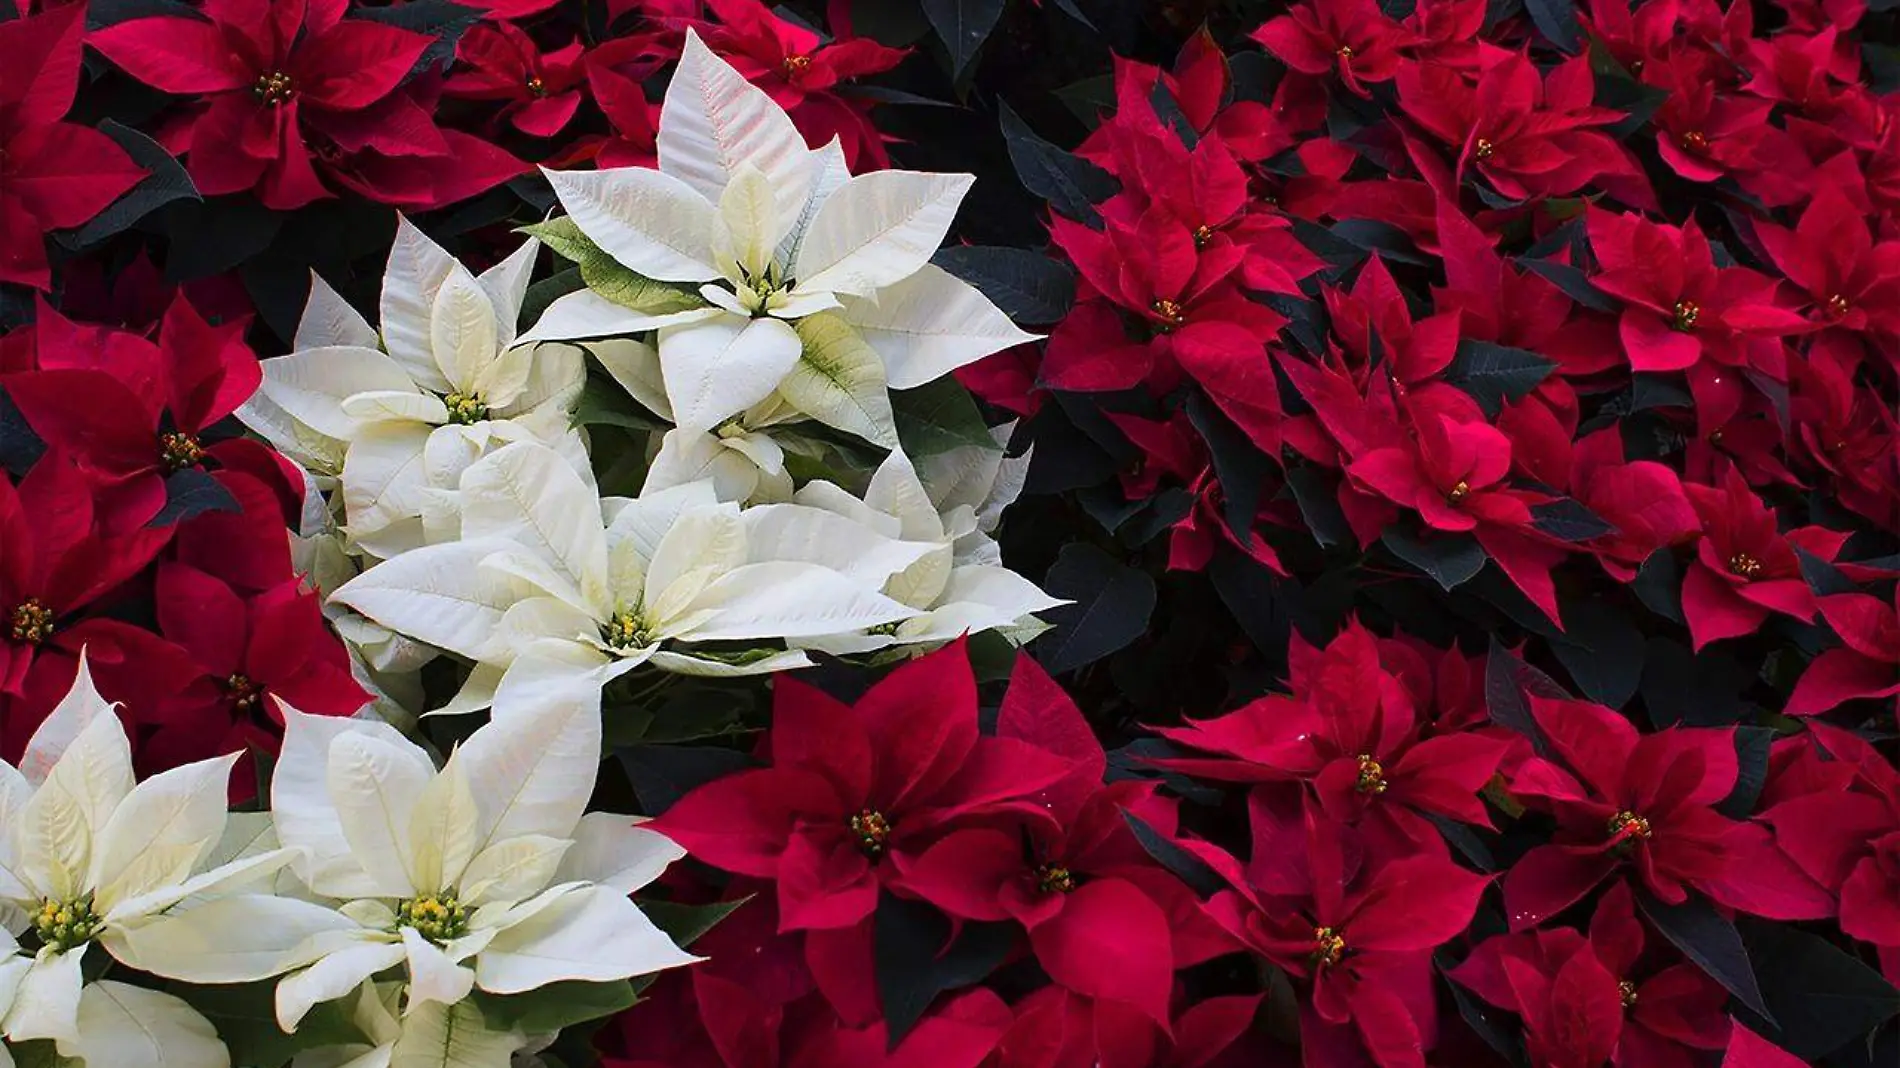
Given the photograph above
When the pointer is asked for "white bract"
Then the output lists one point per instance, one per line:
(89, 856)
(576, 586)
(815, 286)
(432, 1035)
(392, 416)
(960, 586)
(485, 874)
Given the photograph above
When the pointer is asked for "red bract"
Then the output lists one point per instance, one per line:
(1643, 500)
(1865, 665)
(851, 787)
(1352, 38)
(1680, 308)
(133, 412)
(286, 84)
(252, 653)
(1588, 1001)
(541, 91)
(1351, 732)
(1313, 902)
(1744, 568)
(1852, 281)
(1620, 798)
(53, 174)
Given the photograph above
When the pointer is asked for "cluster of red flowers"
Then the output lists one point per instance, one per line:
(144, 532)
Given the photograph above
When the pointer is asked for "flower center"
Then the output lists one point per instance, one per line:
(465, 409)
(63, 925)
(873, 831)
(1626, 827)
(1627, 991)
(1837, 305)
(796, 65)
(438, 917)
(1686, 313)
(1329, 948)
(179, 450)
(1483, 149)
(1343, 52)
(1458, 492)
(274, 87)
(243, 692)
(1694, 141)
(1169, 313)
(1055, 879)
(537, 87)
(1742, 565)
(1202, 235)
(32, 622)
(1371, 775)
(625, 630)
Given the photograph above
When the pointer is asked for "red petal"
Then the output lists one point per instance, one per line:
(1839, 675)
(66, 173)
(203, 615)
(1550, 879)
(1110, 942)
(921, 720)
(823, 882)
(355, 63)
(178, 55)
(41, 73)
(743, 822)
(1653, 345)
(964, 873)
(1746, 1049)
(1417, 903)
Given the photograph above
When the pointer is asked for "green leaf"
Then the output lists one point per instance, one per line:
(547, 291)
(602, 404)
(1492, 374)
(963, 25)
(246, 1018)
(452, 1036)
(1071, 184)
(605, 275)
(556, 1006)
(937, 417)
(564, 237)
(684, 924)
(839, 380)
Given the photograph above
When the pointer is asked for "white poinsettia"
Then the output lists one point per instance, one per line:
(960, 587)
(392, 415)
(487, 874)
(814, 285)
(552, 582)
(433, 1035)
(90, 857)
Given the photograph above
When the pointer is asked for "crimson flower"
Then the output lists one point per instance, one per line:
(1846, 429)
(1453, 476)
(1679, 308)
(1864, 666)
(541, 91)
(1374, 325)
(1704, 134)
(1645, 800)
(1587, 1001)
(1853, 281)
(1352, 733)
(53, 174)
(252, 652)
(1643, 500)
(1745, 568)
(1746, 1049)
(1351, 37)
(131, 411)
(852, 787)
(1054, 1027)
(620, 96)
(1312, 902)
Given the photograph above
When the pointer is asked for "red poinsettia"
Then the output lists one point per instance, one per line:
(853, 787)
(1866, 665)
(132, 411)
(1590, 1001)
(1642, 500)
(1055, 1028)
(53, 174)
(1852, 280)
(541, 91)
(1744, 567)
(1352, 38)
(253, 652)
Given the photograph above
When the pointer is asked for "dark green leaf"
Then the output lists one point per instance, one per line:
(1186, 867)
(1710, 941)
(439, 19)
(1318, 498)
(1603, 652)
(1568, 520)
(684, 924)
(1493, 1025)
(1089, 99)
(1823, 578)
(1751, 762)
(1556, 21)
(165, 182)
(1575, 284)
(1450, 559)
(1822, 998)
(1883, 66)
(1693, 689)
(938, 417)
(1241, 467)
(1071, 184)
(962, 25)
(212, 236)
(189, 493)
(662, 774)
(1508, 684)
(1390, 242)
(547, 291)
(913, 966)
(20, 447)
(246, 1018)
(1492, 374)
(551, 1008)
(1112, 603)
(1168, 110)
(1027, 286)
(1658, 585)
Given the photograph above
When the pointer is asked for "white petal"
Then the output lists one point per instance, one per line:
(878, 229)
(527, 493)
(651, 223)
(592, 934)
(384, 476)
(536, 761)
(160, 832)
(501, 379)
(586, 314)
(301, 807)
(225, 876)
(432, 975)
(237, 939)
(417, 267)
(690, 456)
(702, 544)
(700, 667)
(829, 174)
(641, 524)
(839, 380)
(60, 826)
(506, 284)
(749, 225)
(131, 1027)
(719, 368)
(328, 319)
(395, 406)
(514, 869)
(462, 334)
(713, 120)
(442, 828)
(931, 324)
(74, 713)
(439, 594)
(376, 787)
(311, 384)
(452, 1036)
(556, 376)
(47, 1003)
(636, 366)
(815, 536)
(332, 977)
(791, 600)
(617, 853)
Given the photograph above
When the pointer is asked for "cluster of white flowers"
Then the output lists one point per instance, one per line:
(375, 880)
(760, 303)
